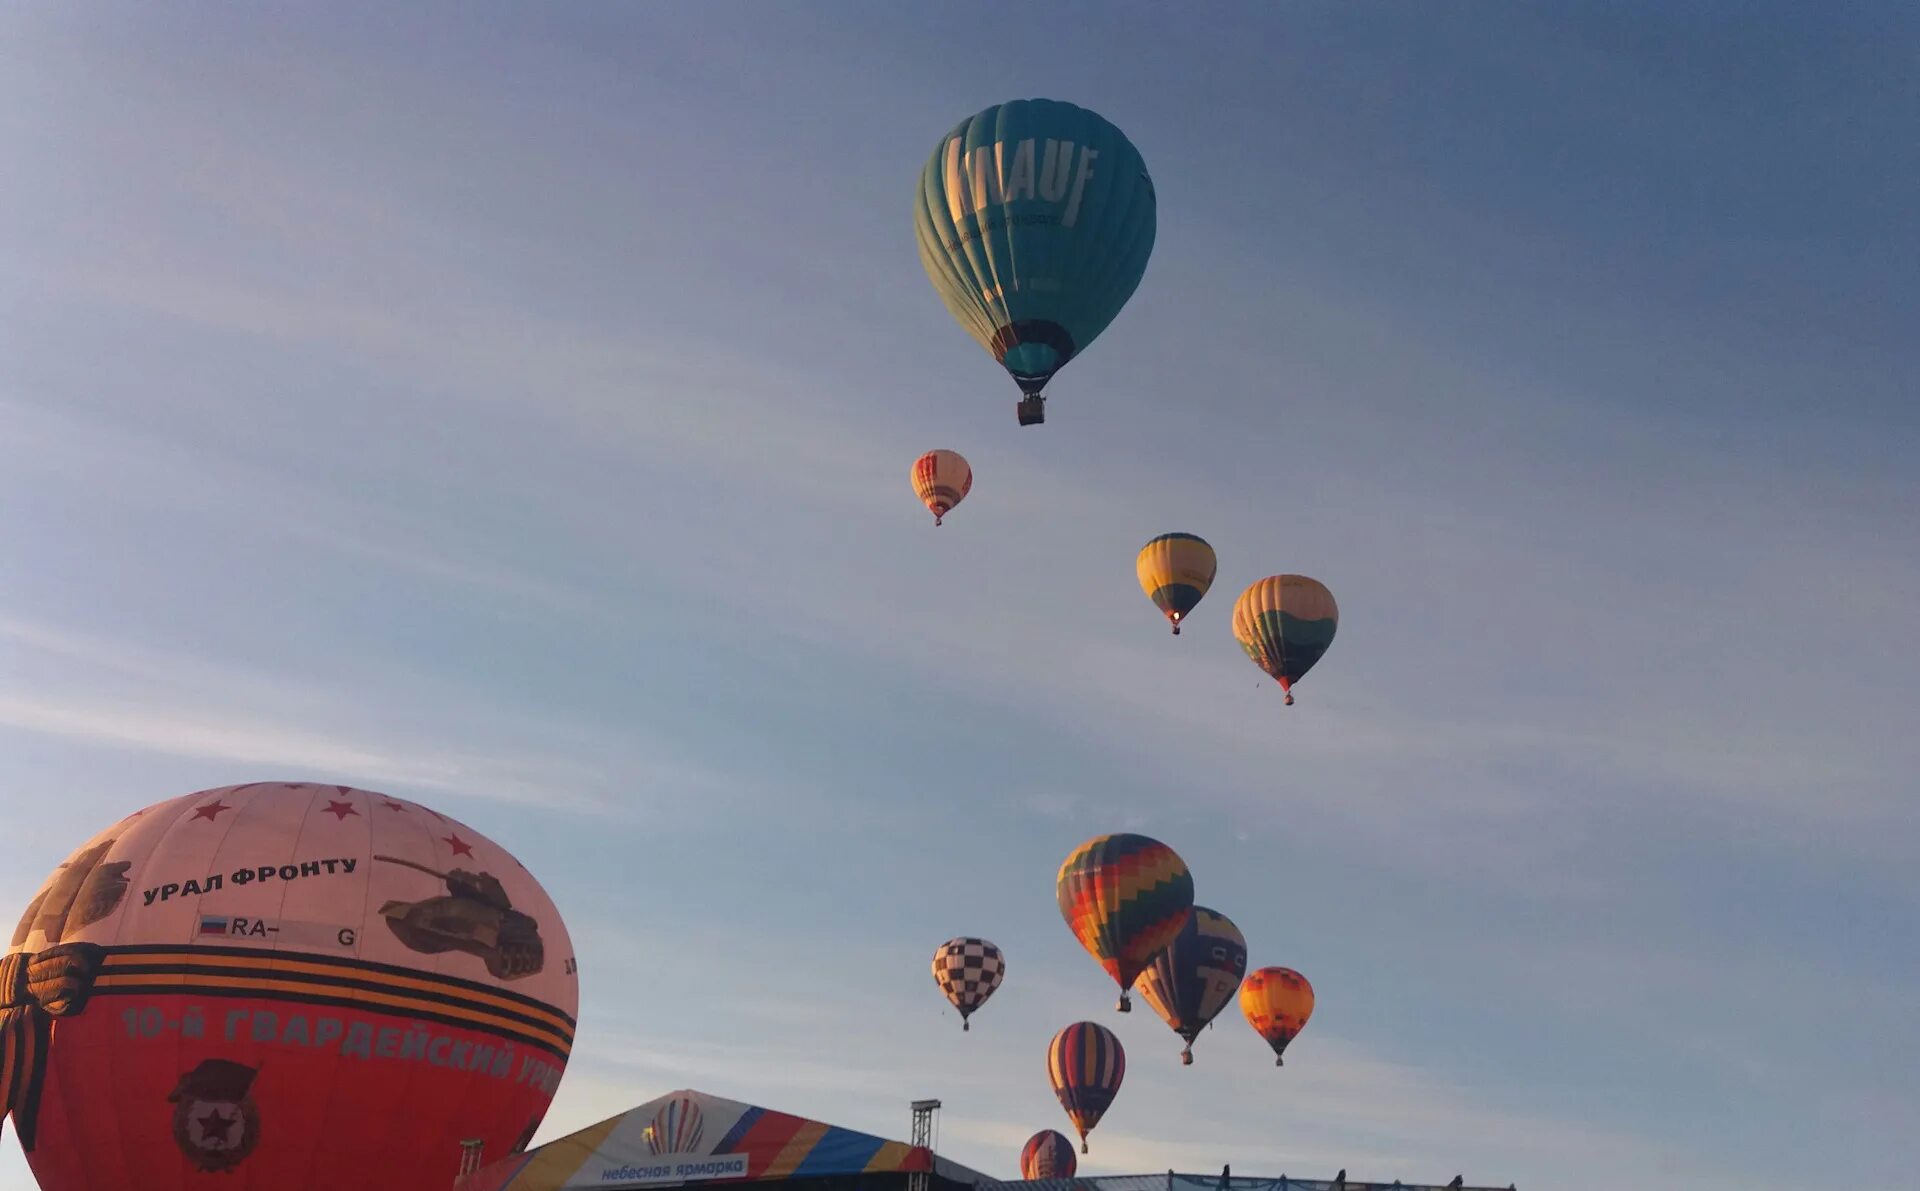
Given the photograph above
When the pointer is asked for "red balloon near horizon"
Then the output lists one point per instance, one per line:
(1047, 1155)
(282, 985)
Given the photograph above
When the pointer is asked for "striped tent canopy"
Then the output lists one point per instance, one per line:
(736, 1142)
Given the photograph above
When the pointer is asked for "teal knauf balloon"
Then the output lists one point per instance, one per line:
(1035, 220)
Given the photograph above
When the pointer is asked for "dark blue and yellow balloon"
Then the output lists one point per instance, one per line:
(1197, 975)
(1175, 570)
(1086, 1064)
(1285, 624)
(1035, 219)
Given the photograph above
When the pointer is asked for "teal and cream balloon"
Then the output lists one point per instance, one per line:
(1035, 219)
(1285, 624)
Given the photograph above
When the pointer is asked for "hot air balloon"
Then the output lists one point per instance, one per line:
(1285, 622)
(307, 986)
(1191, 981)
(1035, 220)
(1124, 897)
(1175, 570)
(676, 1128)
(1047, 1155)
(941, 479)
(1277, 1003)
(1086, 1063)
(968, 970)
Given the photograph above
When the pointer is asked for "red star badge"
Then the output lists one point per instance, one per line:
(208, 811)
(340, 810)
(391, 805)
(460, 847)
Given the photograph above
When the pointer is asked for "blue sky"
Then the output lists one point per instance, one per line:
(510, 407)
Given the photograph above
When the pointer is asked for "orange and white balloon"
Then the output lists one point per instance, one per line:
(941, 479)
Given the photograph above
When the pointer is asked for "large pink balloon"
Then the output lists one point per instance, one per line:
(282, 985)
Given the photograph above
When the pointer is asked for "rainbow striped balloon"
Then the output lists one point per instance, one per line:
(1125, 897)
(1086, 1063)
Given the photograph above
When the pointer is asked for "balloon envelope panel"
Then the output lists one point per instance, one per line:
(289, 986)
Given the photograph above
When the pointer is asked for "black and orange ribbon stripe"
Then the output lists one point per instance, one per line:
(36, 988)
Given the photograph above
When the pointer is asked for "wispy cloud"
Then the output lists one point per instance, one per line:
(119, 695)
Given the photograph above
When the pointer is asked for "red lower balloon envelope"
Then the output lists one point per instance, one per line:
(282, 986)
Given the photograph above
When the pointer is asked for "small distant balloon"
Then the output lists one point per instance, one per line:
(1124, 897)
(1086, 1063)
(967, 971)
(1191, 981)
(1285, 624)
(1277, 1003)
(1048, 1155)
(1175, 570)
(941, 479)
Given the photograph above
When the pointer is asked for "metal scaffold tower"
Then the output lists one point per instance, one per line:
(923, 1111)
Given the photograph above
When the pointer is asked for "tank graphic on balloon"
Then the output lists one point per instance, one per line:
(474, 916)
(285, 985)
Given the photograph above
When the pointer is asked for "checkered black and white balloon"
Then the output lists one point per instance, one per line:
(968, 970)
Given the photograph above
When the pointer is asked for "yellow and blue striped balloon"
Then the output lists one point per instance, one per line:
(1175, 570)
